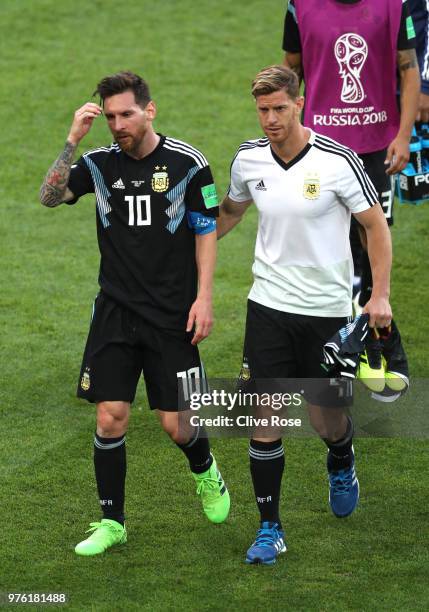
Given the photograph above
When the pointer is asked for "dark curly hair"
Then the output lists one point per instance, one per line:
(124, 81)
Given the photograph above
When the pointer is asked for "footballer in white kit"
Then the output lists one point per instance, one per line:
(305, 187)
(303, 261)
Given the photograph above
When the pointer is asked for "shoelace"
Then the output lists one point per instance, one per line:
(94, 527)
(98, 525)
(207, 485)
(266, 537)
(341, 482)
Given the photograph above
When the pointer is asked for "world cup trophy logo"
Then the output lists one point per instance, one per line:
(351, 52)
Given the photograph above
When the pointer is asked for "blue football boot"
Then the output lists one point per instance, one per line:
(269, 543)
(343, 490)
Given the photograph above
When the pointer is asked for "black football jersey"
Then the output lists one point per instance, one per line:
(146, 241)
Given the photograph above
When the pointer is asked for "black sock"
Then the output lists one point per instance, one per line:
(110, 469)
(267, 463)
(340, 454)
(197, 451)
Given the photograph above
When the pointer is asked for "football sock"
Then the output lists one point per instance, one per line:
(267, 463)
(366, 284)
(110, 469)
(197, 451)
(340, 453)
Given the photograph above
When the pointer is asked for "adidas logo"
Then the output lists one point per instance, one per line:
(119, 184)
(280, 545)
(261, 186)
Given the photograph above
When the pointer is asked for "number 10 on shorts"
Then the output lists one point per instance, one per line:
(138, 210)
(193, 381)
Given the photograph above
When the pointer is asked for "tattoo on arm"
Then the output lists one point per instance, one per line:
(54, 186)
(407, 59)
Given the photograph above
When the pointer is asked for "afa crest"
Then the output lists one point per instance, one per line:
(160, 180)
(85, 382)
(311, 189)
(244, 372)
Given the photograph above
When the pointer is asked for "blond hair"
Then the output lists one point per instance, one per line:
(275, 78)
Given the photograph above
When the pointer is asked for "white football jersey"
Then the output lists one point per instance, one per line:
(303, 261)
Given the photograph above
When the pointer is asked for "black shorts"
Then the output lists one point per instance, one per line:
(283, 345)
(383, 183)
(121, 345)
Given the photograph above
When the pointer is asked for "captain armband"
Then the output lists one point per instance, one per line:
(200, 223)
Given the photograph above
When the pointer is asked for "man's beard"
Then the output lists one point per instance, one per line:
(126, 143)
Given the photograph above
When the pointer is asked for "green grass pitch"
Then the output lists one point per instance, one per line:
(199, 58)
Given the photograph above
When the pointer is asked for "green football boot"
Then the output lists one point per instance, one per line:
(397, 382)
(395, 359)
(104, 535)
(214, 494)
(371, 370)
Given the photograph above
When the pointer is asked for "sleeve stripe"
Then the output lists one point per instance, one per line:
(106, 149)
(183, 147)
(197, 159)
(367, 187)
(102, 194)
(353, 160)
(252, 144)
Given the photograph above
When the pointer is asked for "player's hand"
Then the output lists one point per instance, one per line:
(379, 310)
(200, 316)
(82, 122)
(398, 154)
(423, 112)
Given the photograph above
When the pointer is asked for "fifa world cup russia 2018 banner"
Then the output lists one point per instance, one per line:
(349, 58)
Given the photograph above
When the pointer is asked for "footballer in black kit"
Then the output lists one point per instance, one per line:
(148, 212)
(156, 209)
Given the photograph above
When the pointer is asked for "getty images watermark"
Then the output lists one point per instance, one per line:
(234, 402)
(300, 407)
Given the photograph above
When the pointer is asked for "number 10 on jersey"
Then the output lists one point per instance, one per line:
(135, 208)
